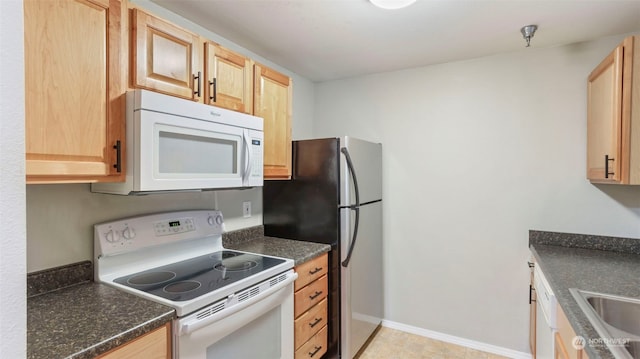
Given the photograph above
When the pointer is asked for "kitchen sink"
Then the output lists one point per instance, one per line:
(615, 318)
(633, 347)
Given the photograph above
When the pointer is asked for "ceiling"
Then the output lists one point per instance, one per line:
(332, 39)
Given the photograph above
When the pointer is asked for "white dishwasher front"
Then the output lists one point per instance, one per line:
(545, 316)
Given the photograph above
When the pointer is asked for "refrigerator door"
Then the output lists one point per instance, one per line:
(367, 161)
(361, 273)
(362, 286)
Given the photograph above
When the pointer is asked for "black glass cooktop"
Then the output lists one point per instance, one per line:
(194, 277)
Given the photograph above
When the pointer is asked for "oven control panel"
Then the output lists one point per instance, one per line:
(173, 226)
(152, 230)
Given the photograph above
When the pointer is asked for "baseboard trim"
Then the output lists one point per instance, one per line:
(489, 348)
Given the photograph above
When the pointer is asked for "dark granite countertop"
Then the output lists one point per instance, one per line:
(84, 319)
(253, 240)
(597, 266)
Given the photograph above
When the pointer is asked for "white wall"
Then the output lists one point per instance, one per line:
(13, 310)
(475, 154)
(60, 217)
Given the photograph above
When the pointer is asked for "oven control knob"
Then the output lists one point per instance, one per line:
(215, 220)
(112, 236)
(128, 233)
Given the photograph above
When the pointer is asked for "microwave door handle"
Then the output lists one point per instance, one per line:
(247, 158)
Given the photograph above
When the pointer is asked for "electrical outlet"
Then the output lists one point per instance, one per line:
(246, 209)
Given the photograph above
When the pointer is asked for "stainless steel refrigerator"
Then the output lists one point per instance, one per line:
(335, 197)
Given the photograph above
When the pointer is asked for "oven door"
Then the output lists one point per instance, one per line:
(260, 327)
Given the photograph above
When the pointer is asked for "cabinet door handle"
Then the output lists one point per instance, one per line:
(606, 166)
(312, 272)
(318, 320)
(197, 92)
(214, 87)
(312, 297)
(317, 349)
(118, 164)
(531, 289)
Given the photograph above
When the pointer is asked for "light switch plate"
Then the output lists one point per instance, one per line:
(246, 209)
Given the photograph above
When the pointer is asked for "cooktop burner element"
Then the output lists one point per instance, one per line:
(194, 277)
(151, 278)
(237, 265)
(182, 287)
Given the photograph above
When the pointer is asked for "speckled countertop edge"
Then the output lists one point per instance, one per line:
(253, 240)
(48, 280)
(82, 319)
(586, 241)
(595, 270)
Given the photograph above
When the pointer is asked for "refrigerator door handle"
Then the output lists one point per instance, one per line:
(345, 152)
(355, 207)
(345, 262)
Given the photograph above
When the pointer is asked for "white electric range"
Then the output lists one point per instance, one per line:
(223, 298)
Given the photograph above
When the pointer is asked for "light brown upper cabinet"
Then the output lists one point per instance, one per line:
(165, 57)
(229, 79)
(273, 102)
(75, 67)
(613, 116)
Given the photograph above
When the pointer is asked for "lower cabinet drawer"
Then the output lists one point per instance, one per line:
(310, 295)
(315, 347)
(310, 323)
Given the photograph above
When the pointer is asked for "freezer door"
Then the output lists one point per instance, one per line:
(367, 162)
(362, 285)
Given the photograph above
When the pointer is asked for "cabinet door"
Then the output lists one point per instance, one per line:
(154, 345)
(74, 85)
(229, 79)
(165, 58)
(272, 102)
(560, 352)
(604, 119)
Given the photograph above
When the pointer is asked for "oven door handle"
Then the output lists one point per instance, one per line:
(191, 323)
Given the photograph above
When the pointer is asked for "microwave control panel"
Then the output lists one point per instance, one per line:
(258, 157)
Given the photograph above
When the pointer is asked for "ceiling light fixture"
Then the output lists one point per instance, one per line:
(392, 4)
(528, 31)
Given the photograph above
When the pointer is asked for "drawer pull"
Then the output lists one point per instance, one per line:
(317, 349)
(312, 297)
(318, 320)
(312, 272)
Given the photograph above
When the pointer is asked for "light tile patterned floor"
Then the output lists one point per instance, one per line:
(394, 344)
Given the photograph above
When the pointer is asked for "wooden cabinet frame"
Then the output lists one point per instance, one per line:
(273, 97)
(613, 117)
(229, 79)
(178, 69)
(70, 134)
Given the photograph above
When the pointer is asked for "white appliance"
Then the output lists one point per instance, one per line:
(335, 197)
(174, 144)
(230, 304)
(545, 316)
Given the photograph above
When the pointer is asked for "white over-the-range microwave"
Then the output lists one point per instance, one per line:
(179, 145)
